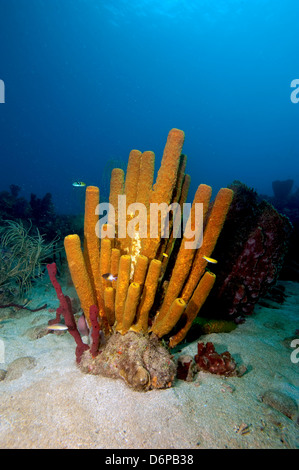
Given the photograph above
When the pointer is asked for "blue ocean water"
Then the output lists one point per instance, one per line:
(88, 80)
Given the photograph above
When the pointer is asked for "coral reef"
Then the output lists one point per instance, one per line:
(11, 205)
(287, 202)
(23, 255)
(31, 235)
(39, 211)
(250, 252)
(157, 280)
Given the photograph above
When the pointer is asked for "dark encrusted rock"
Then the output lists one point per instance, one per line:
(140, 360)
(281, 402)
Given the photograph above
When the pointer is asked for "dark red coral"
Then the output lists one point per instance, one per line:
(209, 360)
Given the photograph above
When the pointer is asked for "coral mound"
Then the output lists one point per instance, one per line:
(209, 360)
(141, 361)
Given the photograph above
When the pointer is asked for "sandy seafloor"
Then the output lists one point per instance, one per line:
(55, 406)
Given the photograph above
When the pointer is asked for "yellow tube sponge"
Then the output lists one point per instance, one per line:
(167, 243)
(132, 176)
(148, 295)
(131, 187)
(214, 226)
(167, 174)
(174, 234)
(79, 273)
(163, 326)
(165, 184)
(145, 182)
(185, 190)
(122, 288)
(115, 257)
(131, 304)
(185, 255)
(194, 305)
(91, 240)
(105, 263)
(180, 178)
(116, 189)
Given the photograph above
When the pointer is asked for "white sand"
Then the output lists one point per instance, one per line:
(54, 405)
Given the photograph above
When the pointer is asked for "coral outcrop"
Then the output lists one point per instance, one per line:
(147, 281)
(38, 213)
(141, 361)
(250, 252)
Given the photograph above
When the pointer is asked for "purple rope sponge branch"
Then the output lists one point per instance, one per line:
(23, 307)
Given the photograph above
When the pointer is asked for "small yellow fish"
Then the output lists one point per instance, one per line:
(109, 277)
(79, 184)
(210, 260)
(165, 255)
(57, 327)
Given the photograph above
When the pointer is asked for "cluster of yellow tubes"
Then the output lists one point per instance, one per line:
(126, 303)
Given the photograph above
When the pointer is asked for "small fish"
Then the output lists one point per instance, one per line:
(79, 184)
(109, 277)
(165, 255)
(57, 327)
(210, 260)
